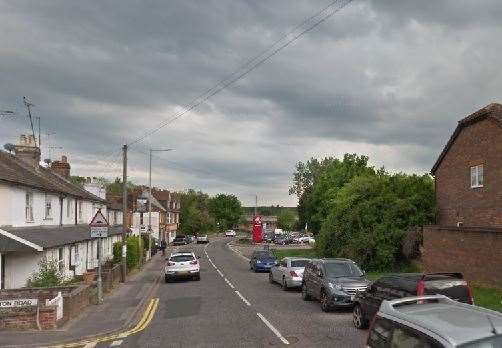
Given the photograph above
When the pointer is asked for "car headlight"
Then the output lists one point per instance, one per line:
(258, 261)
(335, 286)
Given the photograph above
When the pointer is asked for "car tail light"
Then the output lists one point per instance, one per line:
(194, 262)
(469, 290)
(170, 263)
(421, 288)
(293, 274)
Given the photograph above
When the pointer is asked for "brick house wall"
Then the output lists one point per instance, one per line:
(475, 252)
(477, 143)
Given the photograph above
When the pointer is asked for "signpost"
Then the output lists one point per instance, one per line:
(99, 229)
(257, 229)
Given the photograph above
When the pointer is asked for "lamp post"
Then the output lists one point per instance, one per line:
(150, 201)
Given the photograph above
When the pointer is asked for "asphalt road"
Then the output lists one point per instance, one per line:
(234, 307)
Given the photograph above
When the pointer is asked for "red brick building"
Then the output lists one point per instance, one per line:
(468, 178)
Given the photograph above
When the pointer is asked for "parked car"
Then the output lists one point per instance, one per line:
(181, 239)
(230, 233)
(334, 282)
(269, 237)
(434, 321)
(182, 265)
(288, 272)
(394, 286)
(262, 260)
(283, 239)
(191, 238)
(202, 238)
(306, 239)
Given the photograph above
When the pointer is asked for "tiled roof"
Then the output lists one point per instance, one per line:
(493, 111)
(15, 171)
(53, 236)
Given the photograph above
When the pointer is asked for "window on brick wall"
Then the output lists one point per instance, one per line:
(477, 176)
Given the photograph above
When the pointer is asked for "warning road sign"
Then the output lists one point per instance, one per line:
(99, 225)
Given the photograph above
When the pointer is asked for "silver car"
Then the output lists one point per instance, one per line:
(288, 272)
(434, 321)
(183, 264)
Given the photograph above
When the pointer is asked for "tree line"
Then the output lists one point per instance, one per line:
(361, 212)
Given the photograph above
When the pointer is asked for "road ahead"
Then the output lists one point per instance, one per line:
(233, 307)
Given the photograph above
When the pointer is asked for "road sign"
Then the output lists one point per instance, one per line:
(98, 220)
(99, 231)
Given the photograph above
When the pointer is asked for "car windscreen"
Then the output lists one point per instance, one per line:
(342, 269)
(181, 258)
(298, 263)
(263, 254)
(179, 237)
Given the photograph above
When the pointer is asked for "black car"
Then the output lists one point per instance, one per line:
(283, 239)
(394, 286)
(181, 239)
(269, 237)
(334, 282)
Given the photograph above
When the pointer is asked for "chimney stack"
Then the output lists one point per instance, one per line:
(61, 167)
(27, 150)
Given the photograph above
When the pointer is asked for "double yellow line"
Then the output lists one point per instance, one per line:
(146, 318)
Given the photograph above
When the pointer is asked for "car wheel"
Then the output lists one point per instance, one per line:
(324, 302)
(270, 278)
(166, 279)
(197, 277)
(305, 295)
(358, 319)
(284, 284)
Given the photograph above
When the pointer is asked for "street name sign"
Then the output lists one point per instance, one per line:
(19, 302)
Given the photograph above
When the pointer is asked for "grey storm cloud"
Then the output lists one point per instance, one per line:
(385, 78)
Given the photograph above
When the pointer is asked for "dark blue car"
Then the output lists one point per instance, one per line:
(262, 260)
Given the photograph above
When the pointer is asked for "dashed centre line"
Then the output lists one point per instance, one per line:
(242, 298)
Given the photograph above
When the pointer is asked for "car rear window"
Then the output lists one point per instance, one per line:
(453, 288)
(298, 263)
(181, 258)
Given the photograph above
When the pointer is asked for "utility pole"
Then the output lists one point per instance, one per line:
(28, 106)
(124, 212)
(255, 205)
(150, 201)
(39, 136)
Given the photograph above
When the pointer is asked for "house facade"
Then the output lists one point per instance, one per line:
(467, 237)
(45, 216)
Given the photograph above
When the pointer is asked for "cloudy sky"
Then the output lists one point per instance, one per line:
(386, 78)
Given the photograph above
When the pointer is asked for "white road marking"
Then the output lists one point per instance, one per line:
(229, 284)
(242, 298)
(116, 343)
(271, 327)
(238, 253)
(219, 272)
(90, 345)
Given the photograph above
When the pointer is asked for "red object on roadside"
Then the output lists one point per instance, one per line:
(257, 229)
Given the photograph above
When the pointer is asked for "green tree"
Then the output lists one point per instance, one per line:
(286, 220)
(194, 213)
(48, 275)
(370, 215)
(226, 210)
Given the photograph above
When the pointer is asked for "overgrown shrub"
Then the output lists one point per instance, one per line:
(117, 252)
(48, 275)
(370, 216)
(132, 258)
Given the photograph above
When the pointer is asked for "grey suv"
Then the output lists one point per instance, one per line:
(334, 282)
(434, 321)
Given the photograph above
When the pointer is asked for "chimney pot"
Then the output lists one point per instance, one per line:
(64, 159)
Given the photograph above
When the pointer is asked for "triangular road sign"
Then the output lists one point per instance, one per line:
(98, 220)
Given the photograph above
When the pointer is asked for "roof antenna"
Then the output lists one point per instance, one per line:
(494, 330)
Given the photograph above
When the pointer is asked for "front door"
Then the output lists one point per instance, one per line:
(2, 271)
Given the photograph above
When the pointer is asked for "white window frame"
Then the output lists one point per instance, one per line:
(69, 205)
(48, 207)
(80, 211)
(477, 176)
(28, 211)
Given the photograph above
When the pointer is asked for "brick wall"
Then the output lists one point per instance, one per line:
(75, 300)
(478, 143)
(476, 252)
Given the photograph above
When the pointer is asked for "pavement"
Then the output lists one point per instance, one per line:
(121, 308)
(229, 307)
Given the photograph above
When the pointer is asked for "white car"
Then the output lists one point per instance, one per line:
(306, 239)
(182, 265)
(230, 233)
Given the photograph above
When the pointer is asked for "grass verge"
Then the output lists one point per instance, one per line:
(280, 253)
(488, 297)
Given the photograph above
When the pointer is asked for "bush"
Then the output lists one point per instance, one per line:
(117, 252)
(370, 216)
(48, 275)
(132, 258)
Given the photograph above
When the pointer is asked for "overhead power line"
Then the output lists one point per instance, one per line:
(283, 42)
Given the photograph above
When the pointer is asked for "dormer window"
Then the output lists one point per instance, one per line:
(477, 176)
